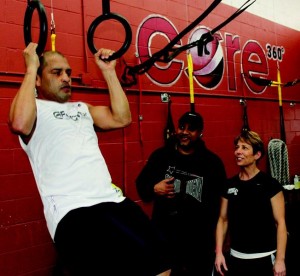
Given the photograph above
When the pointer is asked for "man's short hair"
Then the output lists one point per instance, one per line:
(43, 60)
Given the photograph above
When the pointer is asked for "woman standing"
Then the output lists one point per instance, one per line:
(253, 212)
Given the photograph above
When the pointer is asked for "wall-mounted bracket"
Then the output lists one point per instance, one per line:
(165, 97)
(243, 101)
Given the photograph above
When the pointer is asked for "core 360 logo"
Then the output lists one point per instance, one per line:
(209, 69)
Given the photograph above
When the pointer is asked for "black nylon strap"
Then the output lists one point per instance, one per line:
(245, 118)
(164, 55)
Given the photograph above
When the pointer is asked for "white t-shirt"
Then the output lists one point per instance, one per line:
(67, 163)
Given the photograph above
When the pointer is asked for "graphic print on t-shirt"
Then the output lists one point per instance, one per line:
(186, 183)
(73, 112)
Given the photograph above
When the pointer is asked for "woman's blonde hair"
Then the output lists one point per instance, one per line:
(252, 138)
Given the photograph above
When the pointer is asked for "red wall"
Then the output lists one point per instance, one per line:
(25, 245)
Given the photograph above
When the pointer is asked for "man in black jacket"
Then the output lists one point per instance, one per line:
(184, 180)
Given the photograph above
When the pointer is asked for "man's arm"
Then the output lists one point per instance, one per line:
(151, 174)
(118, 114)
(144, 183)
(22, 114)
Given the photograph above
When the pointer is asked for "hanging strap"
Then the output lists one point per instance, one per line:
(245, 117)
(53, 34)
(169, 130)
(129, 74)
(169, 52)
(267, 82)
(208, 37)
(191, 81)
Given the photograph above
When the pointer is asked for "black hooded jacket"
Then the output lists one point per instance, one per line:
(199, 178)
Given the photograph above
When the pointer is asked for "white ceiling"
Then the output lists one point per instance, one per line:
(284, 12)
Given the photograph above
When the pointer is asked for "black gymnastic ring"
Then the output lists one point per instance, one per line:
(32, 5)
(94, 25)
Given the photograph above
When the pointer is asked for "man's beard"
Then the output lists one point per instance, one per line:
(187, 147)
